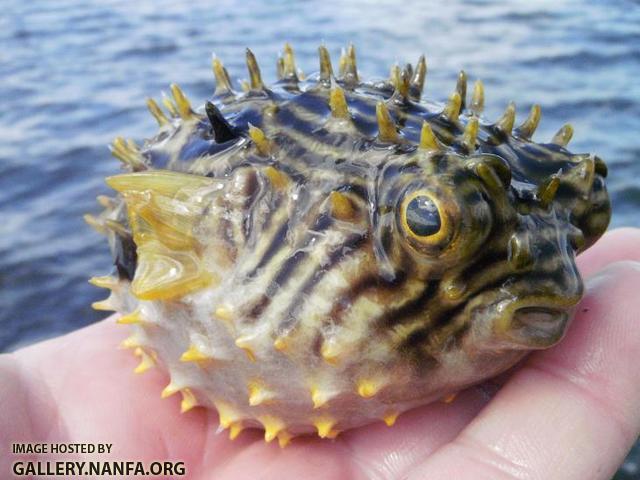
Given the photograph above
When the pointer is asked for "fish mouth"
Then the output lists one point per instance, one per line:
(537, 327)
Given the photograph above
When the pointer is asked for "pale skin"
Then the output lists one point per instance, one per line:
(570, 412)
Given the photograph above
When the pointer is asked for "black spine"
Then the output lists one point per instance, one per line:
(222, 130)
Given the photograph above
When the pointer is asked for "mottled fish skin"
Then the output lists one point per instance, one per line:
(318, 254)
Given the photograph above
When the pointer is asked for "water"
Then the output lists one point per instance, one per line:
(75, 74)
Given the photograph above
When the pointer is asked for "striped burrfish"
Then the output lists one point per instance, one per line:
(325, 252)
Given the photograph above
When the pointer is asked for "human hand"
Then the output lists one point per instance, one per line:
(570, 412)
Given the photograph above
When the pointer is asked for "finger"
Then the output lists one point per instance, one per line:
(389, 453)
(615, 245)
(89, 382)
(571, 412)
(305, 458)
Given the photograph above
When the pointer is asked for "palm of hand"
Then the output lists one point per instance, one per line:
(582, 394)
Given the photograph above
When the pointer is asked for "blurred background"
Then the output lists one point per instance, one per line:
(75, 73)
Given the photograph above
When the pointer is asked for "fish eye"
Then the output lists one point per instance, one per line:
(422, 218)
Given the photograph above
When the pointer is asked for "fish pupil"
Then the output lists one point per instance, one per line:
(422, 216)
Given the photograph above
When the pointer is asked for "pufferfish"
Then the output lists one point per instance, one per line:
(323, 253)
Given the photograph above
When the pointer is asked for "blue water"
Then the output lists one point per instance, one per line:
(74, 74)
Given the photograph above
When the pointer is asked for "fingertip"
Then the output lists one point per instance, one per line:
(616, 245)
